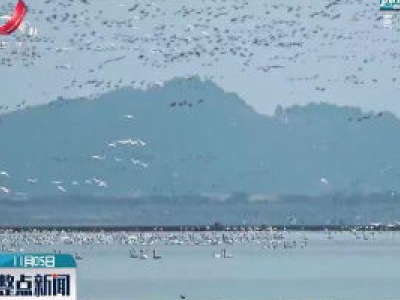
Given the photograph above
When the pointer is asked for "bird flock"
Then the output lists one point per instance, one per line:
(222, 249)
(295, 52)
(62, 186)
(219, 241)
(267, 51)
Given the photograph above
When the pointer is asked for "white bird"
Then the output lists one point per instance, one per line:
(135, 161)
(4, 190)
(127, 142)
(61, 189)
(128, 116)
(217, 255)
(3, 45)
(141, 143)
(131, 142)
(158, 84)
(5, 174)
(32, 31)
(324, 181)
(32, 180)
(138, 162)
(100, 182)
(143, 255)
(98, 157)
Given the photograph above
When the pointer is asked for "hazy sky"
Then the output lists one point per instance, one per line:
(268, 53)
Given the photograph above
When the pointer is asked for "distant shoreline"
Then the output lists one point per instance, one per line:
(204, 228)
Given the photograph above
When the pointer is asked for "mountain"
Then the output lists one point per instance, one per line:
(189, 137)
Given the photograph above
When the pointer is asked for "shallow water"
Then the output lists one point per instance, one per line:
(339, 268)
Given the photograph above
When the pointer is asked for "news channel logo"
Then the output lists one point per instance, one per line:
(389, 4)
(38, 276)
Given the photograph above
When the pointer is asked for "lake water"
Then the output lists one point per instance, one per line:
(345, 266)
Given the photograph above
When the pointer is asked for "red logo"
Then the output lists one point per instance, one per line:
(16, 20)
